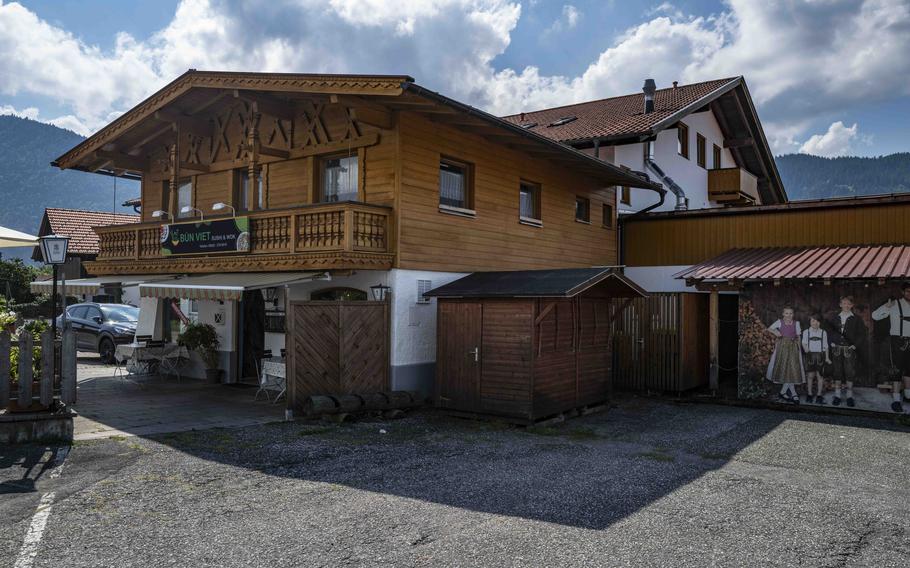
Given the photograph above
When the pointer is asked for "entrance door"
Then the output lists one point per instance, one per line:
(458, 355)
(646, 343)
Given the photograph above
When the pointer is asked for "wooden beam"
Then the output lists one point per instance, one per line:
(266, 104)
(125, 161)
(187, 167)
(154, 135)
(738, 142)
(275, 152)
(185, 123)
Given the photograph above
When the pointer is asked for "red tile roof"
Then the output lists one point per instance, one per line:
(77, 225)
(617, 116)
(821, 263)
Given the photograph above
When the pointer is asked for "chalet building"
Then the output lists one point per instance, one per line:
(84, 246)
(313, 213)
(703, 142)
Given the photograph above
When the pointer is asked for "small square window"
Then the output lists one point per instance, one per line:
(608, 215)
(583, 209)
(682, 140)
(700, 151)
(529, 201)
(455, 185)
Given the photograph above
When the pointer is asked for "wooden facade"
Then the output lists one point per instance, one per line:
(683, 239)
(212, 132)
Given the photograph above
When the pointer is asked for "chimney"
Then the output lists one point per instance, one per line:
(675, 83)
(649, 89)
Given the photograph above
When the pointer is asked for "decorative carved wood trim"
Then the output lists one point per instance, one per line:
(328, 84)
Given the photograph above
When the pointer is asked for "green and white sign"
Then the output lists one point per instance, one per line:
(206, 237)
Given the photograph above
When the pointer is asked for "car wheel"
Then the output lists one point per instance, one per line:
(106, 350)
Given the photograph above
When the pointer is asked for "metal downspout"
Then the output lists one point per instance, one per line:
(682, 202)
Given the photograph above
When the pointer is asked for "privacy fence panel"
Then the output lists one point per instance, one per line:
(27, 379)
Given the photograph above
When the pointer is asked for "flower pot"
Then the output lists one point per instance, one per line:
(213, 375)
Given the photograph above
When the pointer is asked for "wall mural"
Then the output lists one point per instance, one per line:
(845, 345)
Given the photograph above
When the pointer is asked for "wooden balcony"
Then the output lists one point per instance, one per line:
(732, 185)
(325, 236)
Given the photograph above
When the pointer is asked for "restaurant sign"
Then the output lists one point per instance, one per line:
(206, 237)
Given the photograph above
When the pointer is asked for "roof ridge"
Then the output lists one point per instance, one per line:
(617, 97)
(89, 211)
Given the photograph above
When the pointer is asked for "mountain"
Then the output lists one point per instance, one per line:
(28, 183)
(815, 177)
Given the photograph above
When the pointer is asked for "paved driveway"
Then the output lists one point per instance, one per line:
(645, 484)
(114, 406)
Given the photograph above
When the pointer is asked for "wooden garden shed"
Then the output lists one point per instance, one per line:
(529, 344)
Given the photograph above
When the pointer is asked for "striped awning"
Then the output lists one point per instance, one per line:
(94, 285)
(858, 262)
(221, 286)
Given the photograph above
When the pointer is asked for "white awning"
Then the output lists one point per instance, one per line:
(222, 286)
(93, 285)
(10, 238)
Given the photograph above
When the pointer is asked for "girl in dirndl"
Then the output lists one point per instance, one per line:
(786, 365)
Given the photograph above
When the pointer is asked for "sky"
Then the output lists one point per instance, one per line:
(828, 77)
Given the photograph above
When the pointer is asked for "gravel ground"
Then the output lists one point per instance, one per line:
(645, 484)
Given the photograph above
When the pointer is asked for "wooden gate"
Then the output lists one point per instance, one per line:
(337, 348)
(660, 342)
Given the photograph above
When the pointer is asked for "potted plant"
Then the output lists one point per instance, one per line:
(203, 339)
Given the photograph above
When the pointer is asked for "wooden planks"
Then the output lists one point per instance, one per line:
(507, 358)
(457, 366)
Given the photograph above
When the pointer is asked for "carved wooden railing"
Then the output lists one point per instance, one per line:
(342, 227)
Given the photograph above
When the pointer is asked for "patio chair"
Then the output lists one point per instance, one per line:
(262, 379)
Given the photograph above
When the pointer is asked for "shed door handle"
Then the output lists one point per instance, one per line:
(476, 353)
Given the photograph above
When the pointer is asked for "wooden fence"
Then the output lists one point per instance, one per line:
(37, 390)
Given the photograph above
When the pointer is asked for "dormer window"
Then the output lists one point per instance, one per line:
(563, 120)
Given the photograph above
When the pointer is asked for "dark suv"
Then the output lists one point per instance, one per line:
(100, 327)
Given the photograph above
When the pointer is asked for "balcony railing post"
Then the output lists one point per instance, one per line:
(348, 229)
(292, 233)
(136, 243)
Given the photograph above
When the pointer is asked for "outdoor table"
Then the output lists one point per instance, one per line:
(135, 357)
(275, 371)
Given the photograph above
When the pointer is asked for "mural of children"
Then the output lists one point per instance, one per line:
(815, 344)
(899, 313)
(786, 365)
(849, 334)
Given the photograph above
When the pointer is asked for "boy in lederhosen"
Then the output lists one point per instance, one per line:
(848, 334)
(814, 340)
(898, 311)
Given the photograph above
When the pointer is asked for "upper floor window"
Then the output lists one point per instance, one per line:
(682, 140)
(529, 201)
(625, 195)
(338, 179)
(700, 151)
(246, 197)
(583, 209)
(716, 163)
(184, 199)
(455, 185)
(608, 214)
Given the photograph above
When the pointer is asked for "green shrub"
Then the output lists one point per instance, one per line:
(203, 339)
(14, 361)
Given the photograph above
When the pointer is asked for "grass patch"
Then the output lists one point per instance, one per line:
(117, 438)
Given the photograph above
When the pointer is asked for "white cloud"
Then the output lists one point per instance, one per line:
(567, 20)
(804, 62)
(837, 141)
(30, 112)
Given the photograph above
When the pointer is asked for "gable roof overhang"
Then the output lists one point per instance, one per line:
(547, 283)
(190, 95)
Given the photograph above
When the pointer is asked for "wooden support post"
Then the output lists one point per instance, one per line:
(47, 368)
(5, 345)
(68, 368)
(26, 347)
(713, 329)
(348, 228)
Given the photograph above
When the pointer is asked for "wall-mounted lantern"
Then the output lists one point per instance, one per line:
(380, 292)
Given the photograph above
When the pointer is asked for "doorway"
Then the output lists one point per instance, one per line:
(457, 354)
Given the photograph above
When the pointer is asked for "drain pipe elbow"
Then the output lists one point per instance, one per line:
(682, 202)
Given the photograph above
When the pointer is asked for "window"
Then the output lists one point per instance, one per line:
(455, 185)
(682, 140)
(423, 286)
(625, 195)
(339, 179)
(716, 163)
(77, 312)
(563, 120)
(607, 216)
(244, 202)
(93, 314)
(529, 202)
(583, 209)
(700, 152)
(184, 199)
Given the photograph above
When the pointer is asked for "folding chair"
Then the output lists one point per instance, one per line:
(263, 379)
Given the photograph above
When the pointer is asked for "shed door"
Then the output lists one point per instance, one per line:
(458, 354)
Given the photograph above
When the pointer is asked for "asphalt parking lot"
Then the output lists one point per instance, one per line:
(647, 483)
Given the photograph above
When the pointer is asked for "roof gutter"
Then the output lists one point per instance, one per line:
(630, 179)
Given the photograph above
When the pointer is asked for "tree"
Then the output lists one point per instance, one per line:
(15, 277)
